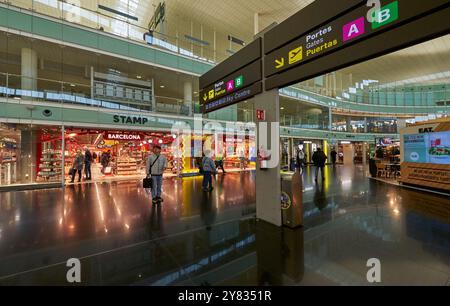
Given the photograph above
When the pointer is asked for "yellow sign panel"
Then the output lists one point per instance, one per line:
(295, 55)
(211, 94)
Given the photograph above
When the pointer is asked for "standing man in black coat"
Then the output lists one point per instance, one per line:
(319, 159)
(87, 163)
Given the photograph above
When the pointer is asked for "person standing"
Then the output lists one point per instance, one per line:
(209, 168)
(319, 159)
(219, 162)
(87, 163)
(105, 159)
(156, 165)
(300, 158)
(243, 164)
(333, 157)
(77, 166)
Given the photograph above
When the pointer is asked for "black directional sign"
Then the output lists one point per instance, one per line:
(348, 29)
(323, 37)
(233, 80)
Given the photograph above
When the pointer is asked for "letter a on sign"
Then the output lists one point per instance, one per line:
(354, 29)
(374, 273)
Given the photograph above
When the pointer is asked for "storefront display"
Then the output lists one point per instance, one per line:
(30, 154)
(125, 152)
(8, 160)
(426, 154)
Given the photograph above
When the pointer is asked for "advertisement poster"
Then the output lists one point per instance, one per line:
(439, 148)
(432, 148)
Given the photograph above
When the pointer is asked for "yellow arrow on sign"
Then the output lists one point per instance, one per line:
(205, 97)
(279, 63)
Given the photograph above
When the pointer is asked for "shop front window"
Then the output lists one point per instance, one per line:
(116, 153)
(30, 154)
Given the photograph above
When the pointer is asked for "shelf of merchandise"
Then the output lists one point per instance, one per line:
(126, 167)
(50, 165)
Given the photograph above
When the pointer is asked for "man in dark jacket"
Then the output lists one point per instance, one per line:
(319, 159)
(87, 163)
(334, 156)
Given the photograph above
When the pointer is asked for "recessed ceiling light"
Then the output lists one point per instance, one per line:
(139, 76)
(162, 86)
(282, 108)
(72, 85)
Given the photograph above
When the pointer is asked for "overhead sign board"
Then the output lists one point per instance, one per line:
(232, 83)
(233, 80)
(324, 37)
(244, 57)
(237, 96)
(350, 28)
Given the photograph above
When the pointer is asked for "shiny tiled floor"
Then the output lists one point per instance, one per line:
(213, 239)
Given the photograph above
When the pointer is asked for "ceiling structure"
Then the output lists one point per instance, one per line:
(421, 65)
(426, 63)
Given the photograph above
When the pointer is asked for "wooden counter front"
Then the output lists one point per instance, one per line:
(426, 175)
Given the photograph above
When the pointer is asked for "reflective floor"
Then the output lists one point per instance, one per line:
(213, 239)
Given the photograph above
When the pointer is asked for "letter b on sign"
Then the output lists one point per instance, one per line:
(385, 15)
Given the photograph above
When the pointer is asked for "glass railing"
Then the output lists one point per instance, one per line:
(388, 95)
(85, 13)
(16, 87)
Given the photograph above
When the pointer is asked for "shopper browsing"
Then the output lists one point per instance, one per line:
(219, 162)
(87, 163)
(77, 166)
(209, 168)
(300, 158)
(333, 156)
(242, 161)
(105, 159)
(319, 159)
(156, 164)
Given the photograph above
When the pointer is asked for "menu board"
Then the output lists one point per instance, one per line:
(431, 148)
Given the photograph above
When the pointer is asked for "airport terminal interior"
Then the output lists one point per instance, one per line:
(119, 79)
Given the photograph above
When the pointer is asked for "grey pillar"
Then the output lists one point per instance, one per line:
(27, 160)
(188, 96)
(268, 184)
(348, 124)
(29, 69)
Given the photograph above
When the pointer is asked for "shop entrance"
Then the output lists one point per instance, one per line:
(117, 154)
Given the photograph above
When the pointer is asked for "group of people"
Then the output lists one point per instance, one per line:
(84, 161)
(319, 160)
(157, 163)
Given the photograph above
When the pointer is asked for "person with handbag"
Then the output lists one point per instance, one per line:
(156, 164)
(77, 166)
(209, 168)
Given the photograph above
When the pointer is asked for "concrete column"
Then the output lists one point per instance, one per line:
(29, 69)
(268, 181)
(27, 159)
(364, 152)
(187, 100)
(348, 124)
(256, 23)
